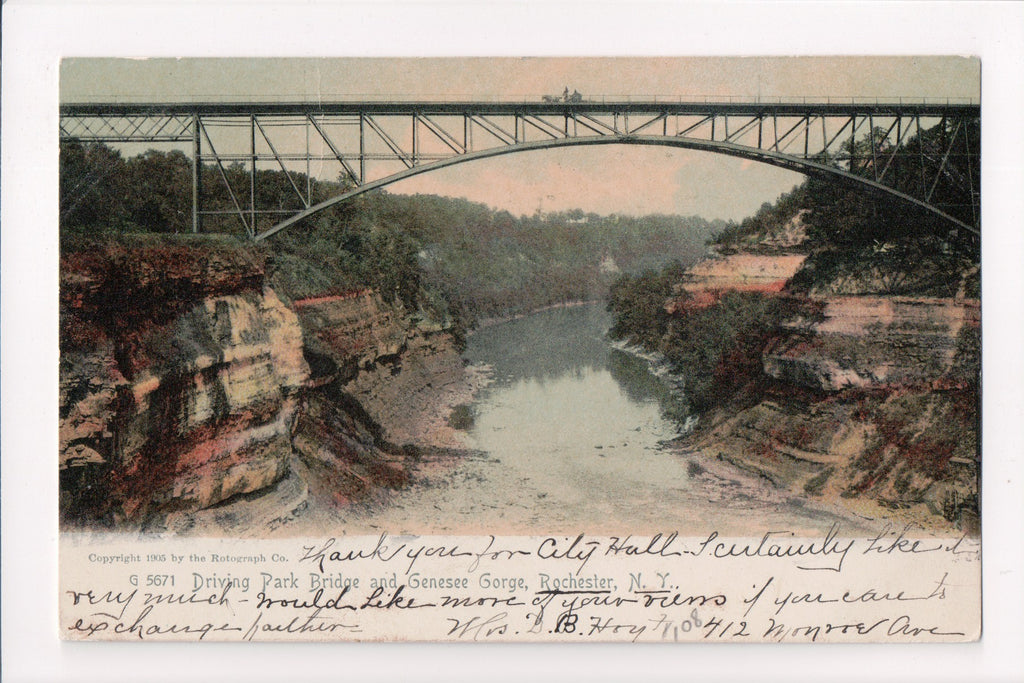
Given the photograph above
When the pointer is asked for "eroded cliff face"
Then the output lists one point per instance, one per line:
(870, 341)
(381, 388)
(396, 369)
(186, 383)
(179, 380)
(871, 400)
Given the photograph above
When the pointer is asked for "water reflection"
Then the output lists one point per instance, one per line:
(568, 343)
(562, 390)
(545, 345)
(640, 385)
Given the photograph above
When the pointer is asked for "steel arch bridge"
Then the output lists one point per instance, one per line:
(370, 144)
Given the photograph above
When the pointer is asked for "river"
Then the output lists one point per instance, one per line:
(572, 435)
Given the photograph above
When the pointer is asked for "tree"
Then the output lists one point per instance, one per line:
(638, 303)
(93, 188)
(160, 198)
(393, 267)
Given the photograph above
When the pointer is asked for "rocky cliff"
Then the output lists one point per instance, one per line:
(382, 387)
(187, 383)
(395, 367)
(179, 377)
(870, 400)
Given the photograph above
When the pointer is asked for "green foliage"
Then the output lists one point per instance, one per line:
(393, 268)
(876, 245)
(638, 303)
(160, 196)
(768, 221)
(718, 349)
(864, 243)
(486, 263)
(93, 188)
(867, 243)
(101, 192)
(451, 260)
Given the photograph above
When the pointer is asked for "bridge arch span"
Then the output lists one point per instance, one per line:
(804, 166)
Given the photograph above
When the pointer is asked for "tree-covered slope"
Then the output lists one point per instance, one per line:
(451, 260)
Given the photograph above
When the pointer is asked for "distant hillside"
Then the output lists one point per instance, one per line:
(451, 260)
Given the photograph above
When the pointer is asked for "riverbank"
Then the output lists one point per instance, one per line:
(562, 444)
(856, 399)
(306, 503)
(728, 480)
(729, 477)
(659, 367)
(575, 461)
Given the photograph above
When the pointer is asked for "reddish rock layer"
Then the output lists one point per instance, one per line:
(178, 382)
(871, 398)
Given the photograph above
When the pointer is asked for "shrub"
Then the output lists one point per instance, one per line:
(718, 349)
(462, 417)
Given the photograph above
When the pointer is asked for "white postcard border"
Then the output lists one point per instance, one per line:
(38, 35)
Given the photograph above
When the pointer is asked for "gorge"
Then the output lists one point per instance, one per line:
(824, 353)
(197, 399)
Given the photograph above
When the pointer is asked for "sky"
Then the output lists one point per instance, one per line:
(605, 179)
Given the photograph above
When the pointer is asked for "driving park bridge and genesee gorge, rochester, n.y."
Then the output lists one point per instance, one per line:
(292, 364)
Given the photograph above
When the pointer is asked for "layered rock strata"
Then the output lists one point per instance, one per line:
(186, 383)
(179, 381)
(398, 372)
(872, 400)
(869, 341)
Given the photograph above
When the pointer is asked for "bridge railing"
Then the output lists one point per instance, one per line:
(461, 98)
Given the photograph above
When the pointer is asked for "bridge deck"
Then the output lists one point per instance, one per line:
(753, 108)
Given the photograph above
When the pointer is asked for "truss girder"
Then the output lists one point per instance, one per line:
(367, 140)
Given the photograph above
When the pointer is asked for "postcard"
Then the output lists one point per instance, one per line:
(675, 350)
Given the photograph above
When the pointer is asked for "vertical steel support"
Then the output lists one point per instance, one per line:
(970, 175)
(920, 155)
(415, 136)
(853, 141)
(896, 150)
(871, 137)
(224, 177)
(197, 174)
(760, 131)
(948, 144)
(309, 180)
(807, 135)
(252, 175)
(362, 148)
